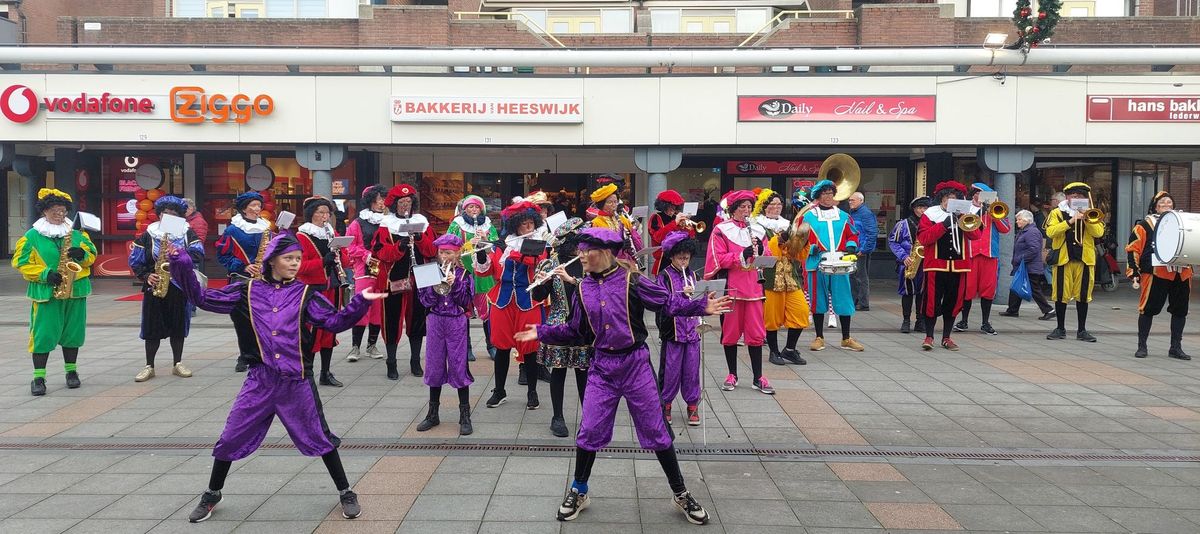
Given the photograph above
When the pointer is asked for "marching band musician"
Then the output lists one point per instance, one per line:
(474, 227)
(945, 264)
(399, 252)
(785, 305)
(237, 250)
(984, 256)
(1073, 240)
(168, 316)
(902, 241)
(542, 201)
(449, 334)
(832, 233)
(612, 301)
(510, 301)
(321, 268)
(667, 217)
(362, 232)
(59, 312)
(1160, 284)
(610, 213)
(731, 253)
(679, 358)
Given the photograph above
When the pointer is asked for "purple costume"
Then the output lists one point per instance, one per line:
(901, 242)
(680, 356)
(613, 303)
(448, 332)
(280, 379)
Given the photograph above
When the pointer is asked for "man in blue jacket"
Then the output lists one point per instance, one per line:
(867, 229)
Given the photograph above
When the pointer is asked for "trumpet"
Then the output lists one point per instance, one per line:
(697, 226)
(998, 210)
(969, 222)
(910, 270)
(1094, 216)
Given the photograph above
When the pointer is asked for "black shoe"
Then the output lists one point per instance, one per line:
(793, 357)
(1048, 316)
(208, 501)
(1007, 313)
(777, 359)
(414, 366)
(350, 507)
(1178, 354)
(241, 366)
(498, 397)
(919, 325)
(1140, 352)
(987, 329)
(531, 402)
(38, 387)
(905, 326)
(1057, 333)
(558, 427)
(543, 373)
(327, 379)
(1083, 335)
(492, 353)
(431, 418)
(960, 326)
(464, 420)
(392, 372)
(691, 509)
(862, 308)
(572, 504)
(73, 380)
(522, 380)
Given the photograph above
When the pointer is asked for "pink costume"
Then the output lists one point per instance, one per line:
(726, 260)
(363, 230)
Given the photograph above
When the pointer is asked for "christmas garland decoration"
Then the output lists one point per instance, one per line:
(1034, 28)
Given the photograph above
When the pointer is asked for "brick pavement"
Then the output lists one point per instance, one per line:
(1013, 433)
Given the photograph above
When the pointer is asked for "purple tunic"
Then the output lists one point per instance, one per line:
(613, 304)
(448, 332)
(278, 383)
(901, 242)
(679, 359)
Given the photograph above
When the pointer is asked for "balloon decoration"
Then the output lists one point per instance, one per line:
(145, 207)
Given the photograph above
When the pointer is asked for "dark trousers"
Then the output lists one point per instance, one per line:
(1041, 288)
(860, 285)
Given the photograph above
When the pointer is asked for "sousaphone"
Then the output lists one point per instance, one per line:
(843, 171)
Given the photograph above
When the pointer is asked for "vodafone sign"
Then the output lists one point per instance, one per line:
(568, 110)
(19, 104)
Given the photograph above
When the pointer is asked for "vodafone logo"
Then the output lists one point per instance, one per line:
(18, 104)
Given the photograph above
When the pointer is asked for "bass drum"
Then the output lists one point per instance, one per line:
(1177, 238)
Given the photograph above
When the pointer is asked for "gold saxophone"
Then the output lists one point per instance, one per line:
(910, 270)
(262, 252)
(162, 267)
(68, 269)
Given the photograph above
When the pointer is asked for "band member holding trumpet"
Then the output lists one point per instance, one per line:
(239, 250)
(1160, 285)
(984, 256)
(366, 268)
(612, 301)
(610, 213)
(679, 358)
(449, 334)
(668, 217)
(55, 261)
(832, 238)
(1073, 231)
(944, 236)
(785, 305)
(321, 268)
(731, 254)
(399, 252)
(166, 313)
(474, 227)
(903, 242)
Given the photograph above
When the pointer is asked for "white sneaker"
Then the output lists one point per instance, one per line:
(691, 509)
(353, 356)
(572, 504)
(374, 353)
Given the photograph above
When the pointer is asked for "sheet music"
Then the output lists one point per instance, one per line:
(987, 197)
(1079, 204)
(691, 208)
(284, 220)
(556, 220)
(340, 242)
(428, 274)
(640, 212)
(173, 225)
(89, 221)
(959, 207)
(765, 262)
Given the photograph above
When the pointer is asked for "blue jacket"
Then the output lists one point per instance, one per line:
(866, 227)
(1028, 248)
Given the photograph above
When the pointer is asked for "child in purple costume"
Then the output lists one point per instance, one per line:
(679, 359)
(449, 304)
(280, 379)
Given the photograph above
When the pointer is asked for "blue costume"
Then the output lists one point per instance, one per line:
(833, 235)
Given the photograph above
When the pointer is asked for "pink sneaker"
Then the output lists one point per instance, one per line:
(731, 382)
(762, 385)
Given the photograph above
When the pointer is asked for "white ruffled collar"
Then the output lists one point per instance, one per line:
(472, 228)
(374, 217)
(319, 232)
(393, 222)
(257, 227)
(46, 228)
(775, 225)
(738, 233)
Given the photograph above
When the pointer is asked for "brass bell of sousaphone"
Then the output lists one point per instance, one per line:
(843, 171)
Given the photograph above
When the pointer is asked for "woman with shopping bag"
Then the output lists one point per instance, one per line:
(1027, 251)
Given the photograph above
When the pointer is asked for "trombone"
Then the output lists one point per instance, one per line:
(1094, 216)
(969, 222)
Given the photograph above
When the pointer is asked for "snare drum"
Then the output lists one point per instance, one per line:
(837, 267)
(1177, 238)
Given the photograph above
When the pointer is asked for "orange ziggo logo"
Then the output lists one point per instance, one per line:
(191, 105)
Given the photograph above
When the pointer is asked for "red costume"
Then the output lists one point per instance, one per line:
(313, 272)
(661, 225)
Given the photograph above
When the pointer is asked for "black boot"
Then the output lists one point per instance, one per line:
(431, 419)
(38, 387)
(327, 379)
(1176, 351)
(464, 420)
(243, 363)
(414, 361)
(73, 380)
(905, 326)
(1141, 352)
(522, 380)
(919, 324)
(392, 373)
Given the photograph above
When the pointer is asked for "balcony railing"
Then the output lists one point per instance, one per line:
(779, 18)
(510, 15)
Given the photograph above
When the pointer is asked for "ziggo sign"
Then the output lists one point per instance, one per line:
(191, 105)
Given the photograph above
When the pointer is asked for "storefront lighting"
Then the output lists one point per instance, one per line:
(505, 70)
(995, 40)
(779, 68)
(462, 70)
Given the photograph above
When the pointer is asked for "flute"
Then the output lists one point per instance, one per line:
(549, 275)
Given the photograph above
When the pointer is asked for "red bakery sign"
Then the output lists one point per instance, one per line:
(837, 108)
(1178, 108)
(792, 168)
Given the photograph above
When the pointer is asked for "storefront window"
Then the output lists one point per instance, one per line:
(224, 180)
(879, 193)
(125, 207)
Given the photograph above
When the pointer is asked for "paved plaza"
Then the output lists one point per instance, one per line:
(1012, 434)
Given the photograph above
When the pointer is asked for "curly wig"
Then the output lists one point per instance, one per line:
(48, 198)
(312, 203)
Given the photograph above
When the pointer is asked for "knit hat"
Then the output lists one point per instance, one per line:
(948, 187)
(461, 207)
(670, 196)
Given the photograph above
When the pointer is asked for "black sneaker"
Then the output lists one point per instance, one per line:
(1048, 315)
(905, 326)
(208, 501)
(1007, 313)
(1140, 353)
(37, 388)
(793, 356)
(777, 358)
(558, 427)
(73, 380)
(987, 329)
(691, 509)
(241, 366)
(350, 507)
(1083, 335)
(1057, 333)
(531, 402)
(498, 397)
(522, 380)
(960, 326)
(1178, 354)
(572, 504)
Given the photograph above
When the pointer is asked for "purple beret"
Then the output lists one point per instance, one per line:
(448, 242)
(600, 238)
(672, 239)
(282, 243)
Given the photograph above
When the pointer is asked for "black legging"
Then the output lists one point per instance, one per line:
(732, 363)
(666, 459)
(501, 367)
(333, 463)
(152, 346)
(558, 386)
(943, 299)
(357, 335)
(819, 324)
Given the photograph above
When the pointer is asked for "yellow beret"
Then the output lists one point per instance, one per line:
(602, 193)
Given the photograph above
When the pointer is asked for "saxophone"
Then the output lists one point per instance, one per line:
(162, 267)
(910, 270)
(68, 269)
(262, 251)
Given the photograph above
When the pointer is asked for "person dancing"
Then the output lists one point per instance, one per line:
(902, 241)
(362, 231)
(668, 217)
(945, 262)
(474, 227)
(399, 252)
(321, 268)
(785, 305)
(1073, 240)
(449, 334)
(58, 316)
(167, 316)
(612, 300)
(831, 236)
(238, 251)
(1160, 284)
(984, 256)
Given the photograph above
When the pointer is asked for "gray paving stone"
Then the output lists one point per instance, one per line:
(1112, 496)
(833, 514)
(756, 512)
(475, 464)
(1004, 474)
(1033, 494)
(181, 526)
(998, 517)
(523, 484)
(37, 526)
(144, 507)
(461, 484)
(293, 508)
(1150, 520)
(887, 492)
(447, 508)
(67, 506)
(441, 527)
(581, 527)
(275, 527)
(232, 509)
(40, 483)
(521, 508)
(113, 526)
(1173, 497)
(523, 465)
(960, 492)
(492, 527)
(1071, 519)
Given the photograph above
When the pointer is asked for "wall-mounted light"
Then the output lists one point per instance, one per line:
(995, 40)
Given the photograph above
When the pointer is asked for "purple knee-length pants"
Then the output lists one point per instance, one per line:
(681, 368)
(446, 351)
(611, 377)
(264, 395)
